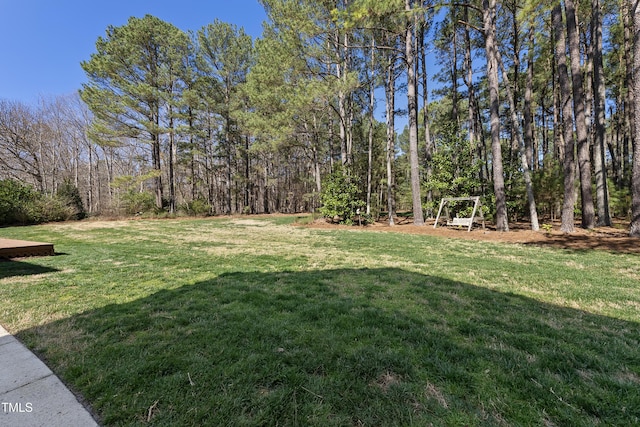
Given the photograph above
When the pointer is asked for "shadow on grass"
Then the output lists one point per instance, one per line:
(12, 268)
(346, 347)
(582, 243)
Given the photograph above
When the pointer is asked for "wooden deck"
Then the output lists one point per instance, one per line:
(10, 248)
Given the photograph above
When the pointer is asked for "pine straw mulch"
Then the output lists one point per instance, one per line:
(613, 239)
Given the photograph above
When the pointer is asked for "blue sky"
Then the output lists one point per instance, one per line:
(43, 42)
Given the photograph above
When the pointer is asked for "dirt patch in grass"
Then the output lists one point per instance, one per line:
(433, 392)
(386, 381)
(614, 239)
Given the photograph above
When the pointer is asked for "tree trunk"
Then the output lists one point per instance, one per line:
(108, 159)
(341, 74)
(468, 64)
(584, 162)
(425, 114)
(410, 56)
(628, 11)
(482, 151)
(372, 101)
(599, 97)
(455, 115)
(568, 163)
(489, 18)
(172, 164)
(533, 212)
(229, 162)
(390, 94)
(558, 129)
(90, 208)
(516, 47)
(247, 177)
(316, 159)
(349, 104)
(635, 179)
(155, 149)
(532, 158)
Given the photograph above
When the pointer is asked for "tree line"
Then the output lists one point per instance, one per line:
(534, 109)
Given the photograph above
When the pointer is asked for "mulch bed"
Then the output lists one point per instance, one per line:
(613, 239)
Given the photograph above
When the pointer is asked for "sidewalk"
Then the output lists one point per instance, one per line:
(31, 395)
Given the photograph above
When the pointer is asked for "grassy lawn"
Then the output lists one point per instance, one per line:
(256, 322)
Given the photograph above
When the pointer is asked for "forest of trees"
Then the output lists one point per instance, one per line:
(534, 108)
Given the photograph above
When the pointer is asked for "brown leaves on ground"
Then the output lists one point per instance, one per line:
(613, 239)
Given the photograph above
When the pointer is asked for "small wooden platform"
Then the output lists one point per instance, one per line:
(10, 248)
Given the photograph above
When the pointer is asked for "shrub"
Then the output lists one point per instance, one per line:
(339, 198)
(15, 199)
(619, 201)
(196, 207)
(21, 204)
(69, 197)
(548, 187)
(135, 202)
(455, 171)
(48, 209)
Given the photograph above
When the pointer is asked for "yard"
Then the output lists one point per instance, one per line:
(259, 321)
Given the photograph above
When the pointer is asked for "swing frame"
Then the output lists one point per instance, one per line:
(461, 221)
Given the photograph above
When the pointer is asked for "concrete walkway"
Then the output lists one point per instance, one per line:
(31, 395)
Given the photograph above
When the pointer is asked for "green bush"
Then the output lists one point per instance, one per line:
(455, 171)
(21, 204)
(196, 207)
(15, 200)
(48, 209)
(619, 201)
(69, 197)
(548, 184)
(339, 198)
(137, 202)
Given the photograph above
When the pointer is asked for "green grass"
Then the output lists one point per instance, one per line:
(257, 322)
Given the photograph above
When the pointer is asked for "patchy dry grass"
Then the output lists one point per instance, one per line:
(251, 321)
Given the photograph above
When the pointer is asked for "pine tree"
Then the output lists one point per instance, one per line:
(130, 76)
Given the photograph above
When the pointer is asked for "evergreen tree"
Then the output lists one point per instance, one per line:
(131, 77)
(634, 7)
